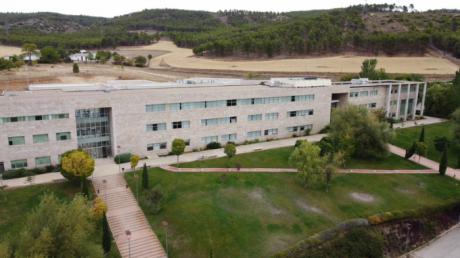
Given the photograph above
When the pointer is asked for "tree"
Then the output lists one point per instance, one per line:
(368, 70)
(99, 208)
(134, 160)
(440, 142)
(411, 151)
(310, 165)
(357, 132)
(58, 229)
(78, 163)
(75, 68)
(29, 49)
(106, 235)
(443, 162)
(150, 58)
(230, 150)
(178, 148)
(49, 55)
(456, 127)
(422, 135)
(145, 177)
(140, 61)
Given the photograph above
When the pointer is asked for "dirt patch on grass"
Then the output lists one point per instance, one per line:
(308, 208)
(258, 196)
(363, 197)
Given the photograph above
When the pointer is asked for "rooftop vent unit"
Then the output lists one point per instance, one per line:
(360, 81)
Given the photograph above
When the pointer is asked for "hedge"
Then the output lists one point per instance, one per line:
(18, 173)
(122, 158)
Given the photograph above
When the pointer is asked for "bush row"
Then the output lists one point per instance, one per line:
(17, 173)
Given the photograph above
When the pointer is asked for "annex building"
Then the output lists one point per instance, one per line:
(143, 117)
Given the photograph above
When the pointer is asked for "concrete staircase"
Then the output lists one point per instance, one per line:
(124, 214)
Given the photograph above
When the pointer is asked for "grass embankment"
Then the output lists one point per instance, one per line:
(16, 204)
(279, 158)
(259, 214)
(405, 137)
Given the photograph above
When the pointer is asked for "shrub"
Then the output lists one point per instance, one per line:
(153, 200)
(213, 145)
(75, 68)
(325, 129)
(122, 158)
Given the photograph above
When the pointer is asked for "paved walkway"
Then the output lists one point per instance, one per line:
(444, 246)
(292, 170)
(426, 121)
(455, 173)
(124, 214)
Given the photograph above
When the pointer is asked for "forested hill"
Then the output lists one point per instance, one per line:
(386, 29)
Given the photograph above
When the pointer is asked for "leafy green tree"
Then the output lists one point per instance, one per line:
(178, 148)
(79, 164)
(75, 68)
(49, 55)
(368, 70)
(29, 49)
(357, 132)
(140, 61)
(6, 64)
(230, 150)
(149, 57)
(307, 160)
(106, 235)
(57, 229)
(440, 142)
(443, 162)
(145, 177)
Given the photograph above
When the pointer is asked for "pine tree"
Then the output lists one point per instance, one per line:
(106, 236)
(422, 135)
(443, 163)
(145, 177)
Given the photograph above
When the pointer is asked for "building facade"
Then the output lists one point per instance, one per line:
(142, 117)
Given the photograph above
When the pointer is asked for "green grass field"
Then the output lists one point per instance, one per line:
(279, 158)
(15, 205)
(405, 137)
(258, 214)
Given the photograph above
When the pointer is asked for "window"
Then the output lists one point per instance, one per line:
(20, 163)
(218, 121)
(372, 105)
(307, 112)
(229, 137)
(231, 102)
(43, 161)
(156, 146)
(16, 140)
(187, 142)
(354, 94)
(180, 124)
(60, 116)
(40, 138)
(299, 128)
(271, 116)
(209, 139)
(273, 131)
(292, 114)
(374, 92)
(256, 117)
(64, 136)
(155, 108)
(292, 98)
(232, 119)
(364, 93)
(156, 127)
(254, 134)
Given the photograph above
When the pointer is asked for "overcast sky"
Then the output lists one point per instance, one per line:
(110, 8)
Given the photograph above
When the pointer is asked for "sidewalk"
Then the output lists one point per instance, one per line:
(425, 121)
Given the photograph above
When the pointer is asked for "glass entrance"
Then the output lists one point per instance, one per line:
(94, 131)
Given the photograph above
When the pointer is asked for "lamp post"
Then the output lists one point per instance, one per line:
(165, 225)
(128, 234)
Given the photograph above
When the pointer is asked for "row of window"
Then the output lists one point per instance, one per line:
(14, 119)
(363, 93)
(37, 138)
(227, 103)
(39, 162)
(370, 105)
(306, 112)
(219, 121)
(403, 89)
(162, 145)
(268, 116)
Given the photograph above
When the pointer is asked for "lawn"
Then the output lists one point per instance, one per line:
(258, 214)
(405, 137)
(16, 204)
(279, 158)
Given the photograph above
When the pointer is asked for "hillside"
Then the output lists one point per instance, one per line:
(367, 29)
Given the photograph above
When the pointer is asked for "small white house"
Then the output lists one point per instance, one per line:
(82, 57)
(33, 57)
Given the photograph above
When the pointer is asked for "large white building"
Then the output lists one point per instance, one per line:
(143, 117)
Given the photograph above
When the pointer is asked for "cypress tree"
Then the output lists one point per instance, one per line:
(443, 162)
(145, 177)
(422, 135)
(106, 236)
(411, 151)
